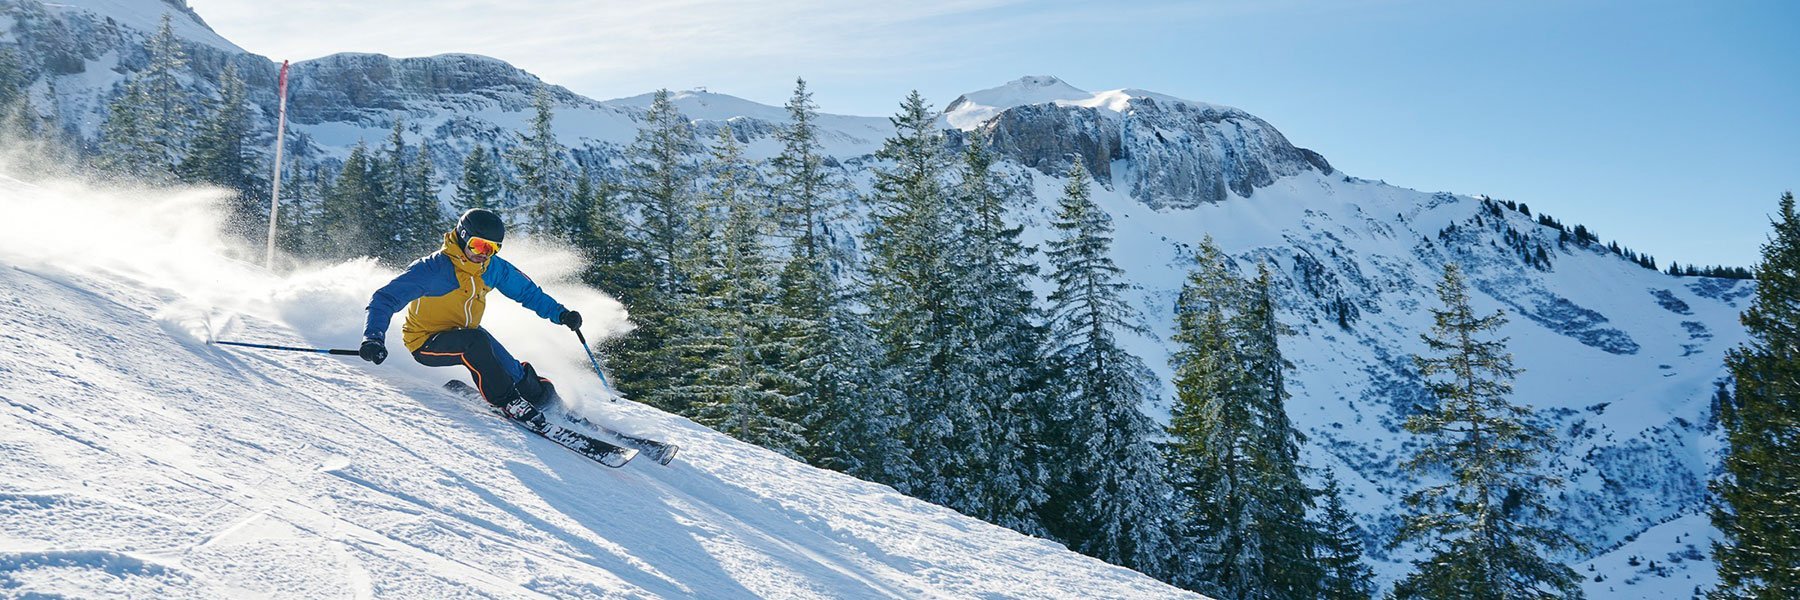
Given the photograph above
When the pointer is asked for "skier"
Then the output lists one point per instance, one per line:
(445, 294)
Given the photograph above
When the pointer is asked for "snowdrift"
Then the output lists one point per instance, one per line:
(136, 460)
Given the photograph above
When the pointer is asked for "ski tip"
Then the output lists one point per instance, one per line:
(618, 459)
(668, 456)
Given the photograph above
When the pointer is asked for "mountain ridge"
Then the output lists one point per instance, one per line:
(1354, 259)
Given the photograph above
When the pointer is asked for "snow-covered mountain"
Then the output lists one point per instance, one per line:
(1620, 360)
(141, 462)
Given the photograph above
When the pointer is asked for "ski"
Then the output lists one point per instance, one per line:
(605, 453)
(661, 452)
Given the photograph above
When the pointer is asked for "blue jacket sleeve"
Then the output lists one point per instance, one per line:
(415, 282)
(501, 275)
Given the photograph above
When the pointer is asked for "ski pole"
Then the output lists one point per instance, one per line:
(337, 351)
(596, 362)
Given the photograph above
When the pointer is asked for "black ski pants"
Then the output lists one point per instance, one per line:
(497, 374)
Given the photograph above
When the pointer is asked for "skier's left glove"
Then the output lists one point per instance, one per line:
(571, 319)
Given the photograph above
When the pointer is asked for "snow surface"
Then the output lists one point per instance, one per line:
(1621, 360)
(142, 462)
(1634, 442)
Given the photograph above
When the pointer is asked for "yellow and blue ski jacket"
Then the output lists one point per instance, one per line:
(446, 291)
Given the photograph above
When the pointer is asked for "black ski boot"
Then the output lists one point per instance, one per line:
(537, 390)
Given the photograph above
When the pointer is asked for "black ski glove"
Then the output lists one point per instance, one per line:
(373, 351)
(570, 318)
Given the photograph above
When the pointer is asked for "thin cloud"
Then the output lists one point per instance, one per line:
(569, 39)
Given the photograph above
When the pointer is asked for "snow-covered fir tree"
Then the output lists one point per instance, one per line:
(394, 166)
(1109, 498)
(1340, 552)
(660, 184)
(1758, 552)
(146, 128)
(480, 185)
(596, 225)
(128, 147)
(913, 285)
(168, 104)
(1234, 454)
(995, 273)
(1288, 538)
(851, 415)
(723, 339)
(543, 182)
(421, 216)
(303, 196)
(16, 115)
(32, 136)
(811, 192)
(1480, 528)
(220, 155)
(354, 210)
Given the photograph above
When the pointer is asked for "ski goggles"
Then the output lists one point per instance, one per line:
(482, 247)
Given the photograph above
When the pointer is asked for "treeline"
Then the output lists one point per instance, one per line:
(1583, 237)
(924, 360)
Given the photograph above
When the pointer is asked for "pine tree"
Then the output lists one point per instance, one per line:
(1478, 526)
(168, 103)
(724, 336)
(660, 188)
(1235, 454)
(1210, 383)
(391, 216)
(480, 186)
(128, 147)
(912, 300)
(599, 230)
(145, 134)
(806, 186)
(353, 221)
(13, 80)
(220, 156)
(1758, 552)
(301, 230)
(826, 347)
(1340, 550)
(1110, 499)
(19, 122)
(543, 184)
(422, 219)
(1007, 347)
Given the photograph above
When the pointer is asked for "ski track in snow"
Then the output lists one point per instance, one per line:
(141, 462)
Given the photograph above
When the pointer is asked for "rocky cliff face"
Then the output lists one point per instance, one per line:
(1355, 259)
(1180, 154)
(73, 55)
(1184, 155)
(373, 88)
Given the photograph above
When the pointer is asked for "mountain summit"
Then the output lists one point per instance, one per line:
(973, 109)
(1619, 359)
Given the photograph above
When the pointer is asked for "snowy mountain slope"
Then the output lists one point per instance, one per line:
(141, 462)
(1620, 359)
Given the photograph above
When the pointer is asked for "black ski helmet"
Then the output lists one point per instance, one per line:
(479, 223)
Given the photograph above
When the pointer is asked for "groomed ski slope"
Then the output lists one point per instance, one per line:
(138, 461)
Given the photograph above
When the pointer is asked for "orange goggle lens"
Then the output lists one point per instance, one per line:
(483, 246)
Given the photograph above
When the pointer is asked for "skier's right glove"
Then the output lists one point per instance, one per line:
(373, 351)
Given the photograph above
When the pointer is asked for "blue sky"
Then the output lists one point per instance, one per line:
(1671, 127)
